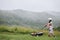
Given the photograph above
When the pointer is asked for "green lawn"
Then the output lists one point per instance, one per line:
(17, 36)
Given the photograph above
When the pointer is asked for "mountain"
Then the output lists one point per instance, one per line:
(28, 18)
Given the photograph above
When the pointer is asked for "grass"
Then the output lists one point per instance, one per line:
(23, 33)
(18, 36)
(16, 29)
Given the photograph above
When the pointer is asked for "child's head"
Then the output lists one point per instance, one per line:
(50, 20)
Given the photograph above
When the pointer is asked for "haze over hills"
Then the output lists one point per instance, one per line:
(28, 18)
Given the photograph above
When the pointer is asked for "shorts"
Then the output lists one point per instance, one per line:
(50, 30)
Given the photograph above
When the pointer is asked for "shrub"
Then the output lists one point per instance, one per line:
(58, 28)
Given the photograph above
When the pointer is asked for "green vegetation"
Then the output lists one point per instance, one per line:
(58, 28)
(16, 29)
(23, 33)
(17, 36)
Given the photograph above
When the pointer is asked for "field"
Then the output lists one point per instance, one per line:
(17, 36)
(14, 33)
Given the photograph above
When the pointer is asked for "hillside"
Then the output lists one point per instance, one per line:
(28, 18)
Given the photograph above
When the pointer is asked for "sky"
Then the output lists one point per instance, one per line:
(31, 5)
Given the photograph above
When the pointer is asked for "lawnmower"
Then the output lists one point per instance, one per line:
(37, 33)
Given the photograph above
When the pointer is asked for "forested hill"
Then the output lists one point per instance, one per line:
(28, 18)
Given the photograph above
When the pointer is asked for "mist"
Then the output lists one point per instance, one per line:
(31, 5)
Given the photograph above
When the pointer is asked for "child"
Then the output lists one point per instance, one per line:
(49, 25)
